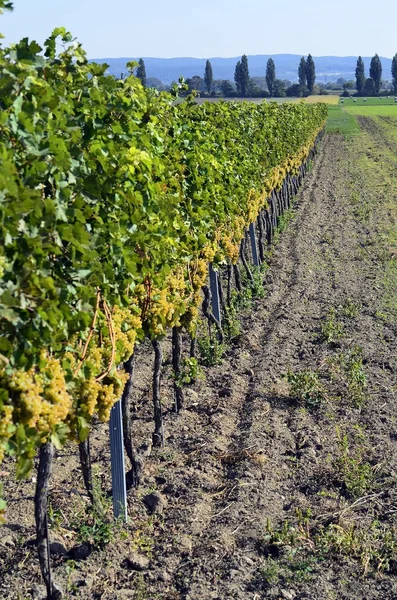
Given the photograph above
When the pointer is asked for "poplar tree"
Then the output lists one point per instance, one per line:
(241, 76)
(237, 78)
(370, 88)
(245, 76)
(270, 75)
(375, 72)
(208, 76)
(360, 75)
(141, 71)
(310, 73)
(302, 72)
(394, 72)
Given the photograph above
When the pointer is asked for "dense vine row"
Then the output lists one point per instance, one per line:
(113, 200)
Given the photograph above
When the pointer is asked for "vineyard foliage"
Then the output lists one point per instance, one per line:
(113, 199)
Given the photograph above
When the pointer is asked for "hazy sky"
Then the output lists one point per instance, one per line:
(208, 28)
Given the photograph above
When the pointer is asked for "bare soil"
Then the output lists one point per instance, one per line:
(245, 457)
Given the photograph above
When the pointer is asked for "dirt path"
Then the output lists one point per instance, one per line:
(278, 454)
(258, 491)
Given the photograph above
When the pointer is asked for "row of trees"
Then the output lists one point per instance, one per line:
(245, 85)
(306, 79)
(276, 87)
(371, 86)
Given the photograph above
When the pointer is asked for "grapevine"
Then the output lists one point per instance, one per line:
(114, 199)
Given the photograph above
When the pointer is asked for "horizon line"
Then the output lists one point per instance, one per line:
(231, 57)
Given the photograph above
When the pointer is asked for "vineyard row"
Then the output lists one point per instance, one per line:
(114, 200)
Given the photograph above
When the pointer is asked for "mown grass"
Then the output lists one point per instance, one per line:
(341, 118)
(372, 111)
(371, 107)
(340, 121)
(371, 101)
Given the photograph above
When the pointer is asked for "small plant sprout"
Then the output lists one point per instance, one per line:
(306, 387)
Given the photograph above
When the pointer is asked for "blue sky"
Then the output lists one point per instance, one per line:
(208, 28)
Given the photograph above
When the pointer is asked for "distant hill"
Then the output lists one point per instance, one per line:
(328, 68)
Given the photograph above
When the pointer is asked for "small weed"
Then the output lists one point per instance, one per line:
(327, 239)
(355, 198)
(355, 472)
(350, 308)
(331, 329)
(291, 545)
(374, 546)
(141, 592)
(356, 376)
(143, 543)
(294, 551)
(244, 299)
(307, 388)
(55, 517)
(93, 524)
(251, 289)
(211, 350)
(350, 369)
(232, 325)
(167, 454)
(283, 221)
(257, 288)
(271, 572)
(142, 539)
(190, 371)
(70, 570)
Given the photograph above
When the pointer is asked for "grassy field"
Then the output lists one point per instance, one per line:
(376, 101)
(341, 121)
(372, 110)
(342, 117)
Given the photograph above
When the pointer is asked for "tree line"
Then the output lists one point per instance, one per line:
(276, 87)
(270, 86)
(371, 86)
(245, 85)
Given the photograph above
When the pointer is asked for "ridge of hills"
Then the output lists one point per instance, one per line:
(328, 68)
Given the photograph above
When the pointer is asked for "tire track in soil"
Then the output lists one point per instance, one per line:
(288, 319)
(378, 136)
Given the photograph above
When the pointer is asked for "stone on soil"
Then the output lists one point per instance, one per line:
(154, 503)
(137, 562)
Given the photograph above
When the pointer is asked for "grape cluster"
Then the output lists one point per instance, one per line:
(37, 399)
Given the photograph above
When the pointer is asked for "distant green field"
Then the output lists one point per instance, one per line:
(371, 110)
(340, 121)
(376, 101)
(341, 118)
